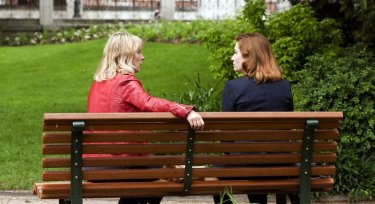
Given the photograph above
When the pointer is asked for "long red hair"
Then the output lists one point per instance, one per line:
(259, 63)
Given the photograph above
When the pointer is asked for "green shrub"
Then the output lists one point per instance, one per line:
(219, 39)
(345, 84)
(355, 172)
(170, 31)
(154, 31)
(296, 34)
(254, 14)
(62, 36)
(205, 99)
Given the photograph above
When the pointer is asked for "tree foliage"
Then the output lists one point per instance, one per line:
(356, 17)
(309, 50)
(219, 39)
(346, 84)
(295, 34)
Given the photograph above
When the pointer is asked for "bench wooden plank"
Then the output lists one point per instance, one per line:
(208, 116)
(180, 148)
(170, 173)
(127, 121)
(119, 126)
(147, 189)
(209, 125)
(179, 160)
(262, 135)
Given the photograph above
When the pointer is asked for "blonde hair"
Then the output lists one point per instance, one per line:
(118, 55)
(259, 63)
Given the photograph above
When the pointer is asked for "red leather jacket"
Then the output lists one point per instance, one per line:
(124, 93)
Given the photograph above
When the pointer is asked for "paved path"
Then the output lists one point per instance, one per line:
(21, 197)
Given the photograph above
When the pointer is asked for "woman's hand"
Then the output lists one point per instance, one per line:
(195, 120)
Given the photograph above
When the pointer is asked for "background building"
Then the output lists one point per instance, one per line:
(38, 14)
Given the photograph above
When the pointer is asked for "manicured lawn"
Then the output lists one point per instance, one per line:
(56, 78)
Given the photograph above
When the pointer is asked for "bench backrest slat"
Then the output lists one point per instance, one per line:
(253, 147)
(179, 173)
(209, 125)
(64, 137)
(198, 160)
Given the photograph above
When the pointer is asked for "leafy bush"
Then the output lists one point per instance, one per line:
(345, 84)
(63, 36)
(356, 19)
(254, 14)
(170, 31)
(219, 39)
(295, 34)
(204, 99)
(154, 31)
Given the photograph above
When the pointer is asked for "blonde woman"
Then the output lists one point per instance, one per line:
(116, 89)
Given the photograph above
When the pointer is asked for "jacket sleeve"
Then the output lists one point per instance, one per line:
(133, 93)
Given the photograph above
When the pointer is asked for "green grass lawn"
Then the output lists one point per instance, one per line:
(56, 78)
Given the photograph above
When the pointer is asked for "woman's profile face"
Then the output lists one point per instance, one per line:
(137, 61)
(237, 60)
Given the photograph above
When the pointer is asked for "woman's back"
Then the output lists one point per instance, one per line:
(244, 94)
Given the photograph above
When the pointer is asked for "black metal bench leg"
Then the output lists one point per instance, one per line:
(280, 198)
(64, 201)
(294, 199)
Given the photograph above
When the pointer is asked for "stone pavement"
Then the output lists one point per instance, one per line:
(21, 197)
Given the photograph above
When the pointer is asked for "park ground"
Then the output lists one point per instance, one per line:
(20, 197)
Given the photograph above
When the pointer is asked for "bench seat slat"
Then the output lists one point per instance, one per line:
(134, 189)
(179, 160)
(181, 136)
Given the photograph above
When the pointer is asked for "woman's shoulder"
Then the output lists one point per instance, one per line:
(239, 84)
(280, 84)
(284, 81)
(243, 79)
(125, 77)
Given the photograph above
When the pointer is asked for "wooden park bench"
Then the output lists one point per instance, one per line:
(242, 152)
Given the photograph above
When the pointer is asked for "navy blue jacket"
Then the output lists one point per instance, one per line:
(244, 94)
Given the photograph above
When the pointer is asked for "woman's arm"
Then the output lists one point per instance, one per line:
(134, 94)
